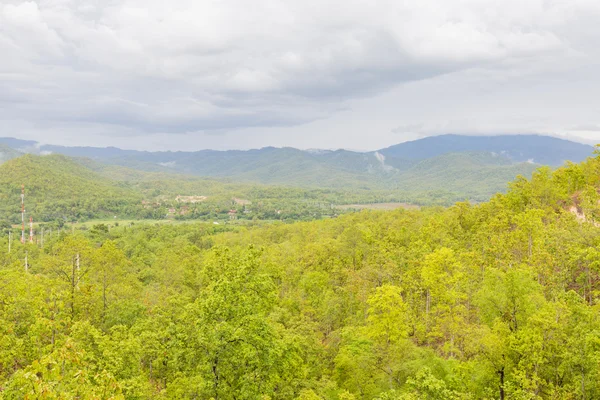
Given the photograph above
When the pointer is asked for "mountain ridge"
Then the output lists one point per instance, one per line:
(541, 149)
(413, 149)
(473, 166)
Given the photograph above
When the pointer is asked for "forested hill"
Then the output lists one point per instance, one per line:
(58, 188)
(475, 175)
(499, 300)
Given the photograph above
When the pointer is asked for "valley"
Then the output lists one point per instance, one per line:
(70, 184)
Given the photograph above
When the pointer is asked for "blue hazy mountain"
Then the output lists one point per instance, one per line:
(539, 149)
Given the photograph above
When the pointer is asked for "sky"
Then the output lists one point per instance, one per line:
(238, 74)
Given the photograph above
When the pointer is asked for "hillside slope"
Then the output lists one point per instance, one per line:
(477, 175)
(58, 188)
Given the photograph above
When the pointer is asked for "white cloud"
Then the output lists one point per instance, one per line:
(136, 68)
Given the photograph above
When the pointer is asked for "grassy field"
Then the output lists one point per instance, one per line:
(378, 206)
(129, 222)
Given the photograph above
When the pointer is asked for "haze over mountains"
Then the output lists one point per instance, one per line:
(469, 166)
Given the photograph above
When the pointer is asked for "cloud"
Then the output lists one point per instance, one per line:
(412, 131)
(134, 68)
(381, 159)
(588, 128)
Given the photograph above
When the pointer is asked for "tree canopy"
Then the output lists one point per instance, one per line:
(492, 301)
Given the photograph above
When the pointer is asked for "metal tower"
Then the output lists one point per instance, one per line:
(23, 213)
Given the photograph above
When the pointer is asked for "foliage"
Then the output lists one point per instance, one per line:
(496, 300)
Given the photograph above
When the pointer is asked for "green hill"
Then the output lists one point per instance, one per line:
(476, 175)
(58, 188)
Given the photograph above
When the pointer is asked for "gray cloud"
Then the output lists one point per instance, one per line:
(589, 128)
(137, 68)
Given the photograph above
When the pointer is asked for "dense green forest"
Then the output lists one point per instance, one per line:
(492, 301)
(59, 189)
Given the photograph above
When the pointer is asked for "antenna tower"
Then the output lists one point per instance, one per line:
(30, 229)
(23, 213)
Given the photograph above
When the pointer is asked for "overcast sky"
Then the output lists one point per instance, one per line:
(193, 74)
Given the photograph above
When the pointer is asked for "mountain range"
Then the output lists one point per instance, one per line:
(471, 167)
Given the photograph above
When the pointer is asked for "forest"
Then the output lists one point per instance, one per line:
(498, 300)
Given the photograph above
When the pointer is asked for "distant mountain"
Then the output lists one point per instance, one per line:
(19, 144)
(543, 150)
(471, 166)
